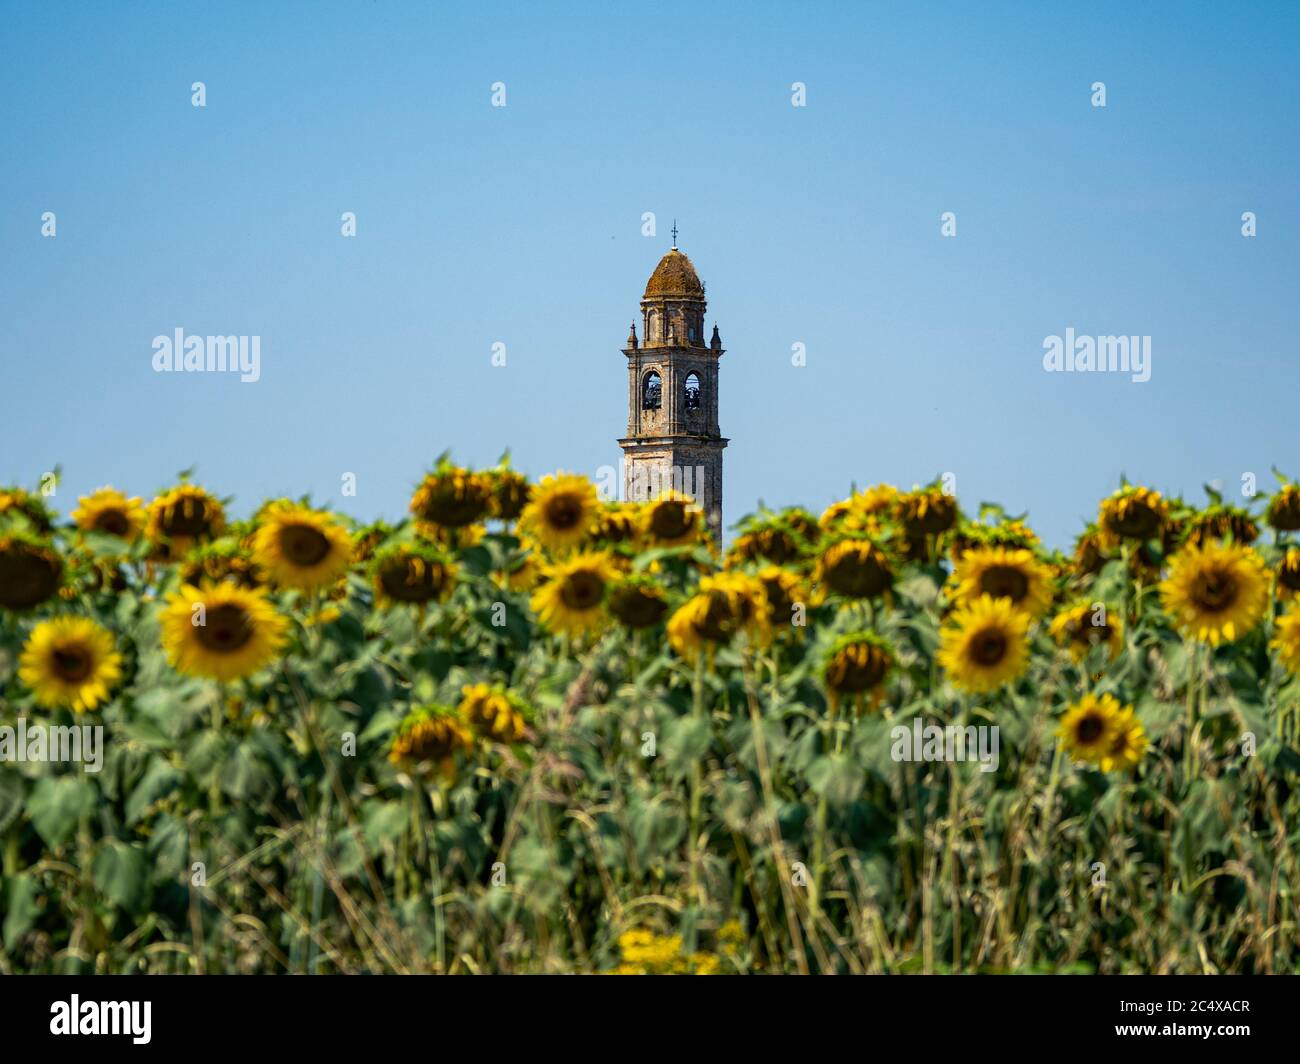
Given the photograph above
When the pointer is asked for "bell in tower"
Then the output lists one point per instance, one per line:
(673, 441)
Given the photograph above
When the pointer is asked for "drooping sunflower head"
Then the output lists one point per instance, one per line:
(1286, 638)
(1009, 532)
(562, 511)
(224, 559)
(494, 712)
(984, 644)
(1089, 552)
(1216, 593)
(571, 601)
(510, 492)
(926, 511)
(368, 539)
(430, 737)
(781, 539)
(855, 567)
(1132, 512)
(1085, 625)
(31, 571)
(221, 631)
(638, 601)
(70, 663)
(1283, 511)
(415, 573)
(618, 524)
(856, 664)
(786, 592)
(30, 506)
(108, 510)
(1011, 574)
(672, 519)
(1288, 574)
(1129, 745)
(725, 605)
(1220, 522)
(863, 511)
(452, 497)
(183, 517)
(1090, 728)
(300, 547)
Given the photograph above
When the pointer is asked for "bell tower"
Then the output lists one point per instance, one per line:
(673, 440)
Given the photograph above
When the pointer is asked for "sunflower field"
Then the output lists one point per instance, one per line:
(531, 730)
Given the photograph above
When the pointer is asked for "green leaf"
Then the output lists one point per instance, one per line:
(121, 873)
(21, 908)
(11, 799)
(159, 780)
(57, 803)
(836, 778)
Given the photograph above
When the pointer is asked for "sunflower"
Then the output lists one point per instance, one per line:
(1129, 745)
(302, 548)
(1086, 624)
(1283, 511)
(221, 631)
(1221, 522)
(863, 511)
(108, 510)
(70, 663)
(637, 602)
(223, 559)
(510, 492)
(31, 571)
(16, 500)
(1286, 638)
(1010, 532)
(857, 663)
(855, 567)
(618, 523)
(1015, 575)
(1090, 728)
(785, 591)
(1132, 512)
(562, 511)
(725, 604)
(452, 497)
(984, 644)
(1288, 574)
(182, 517)
(411, 572)
(521, 572)
(1217, 592)
(1089, 552)
(430, 735)
(672, 519)
(778, 538)
(572, 599)
(494, 712)
(926, 511)
(367, 540)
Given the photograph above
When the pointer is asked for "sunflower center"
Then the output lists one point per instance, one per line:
(1214, 590)
(72, 664)
(563, 512)
(228, 628)
(582, 590)
(113, 522)
(27, 577)
(669, 520)
(1004, 581)
(303, 545)
(988, 647)
(1089, 729)
(187, 519)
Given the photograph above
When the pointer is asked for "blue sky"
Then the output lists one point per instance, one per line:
(522, 225)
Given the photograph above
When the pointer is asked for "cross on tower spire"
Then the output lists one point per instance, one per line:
(674, 234)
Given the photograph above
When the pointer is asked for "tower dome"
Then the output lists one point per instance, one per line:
(674, 276)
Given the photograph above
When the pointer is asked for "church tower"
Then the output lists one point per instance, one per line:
(673, 439)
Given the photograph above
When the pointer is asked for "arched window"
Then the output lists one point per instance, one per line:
(651, 391)
(692, 392)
